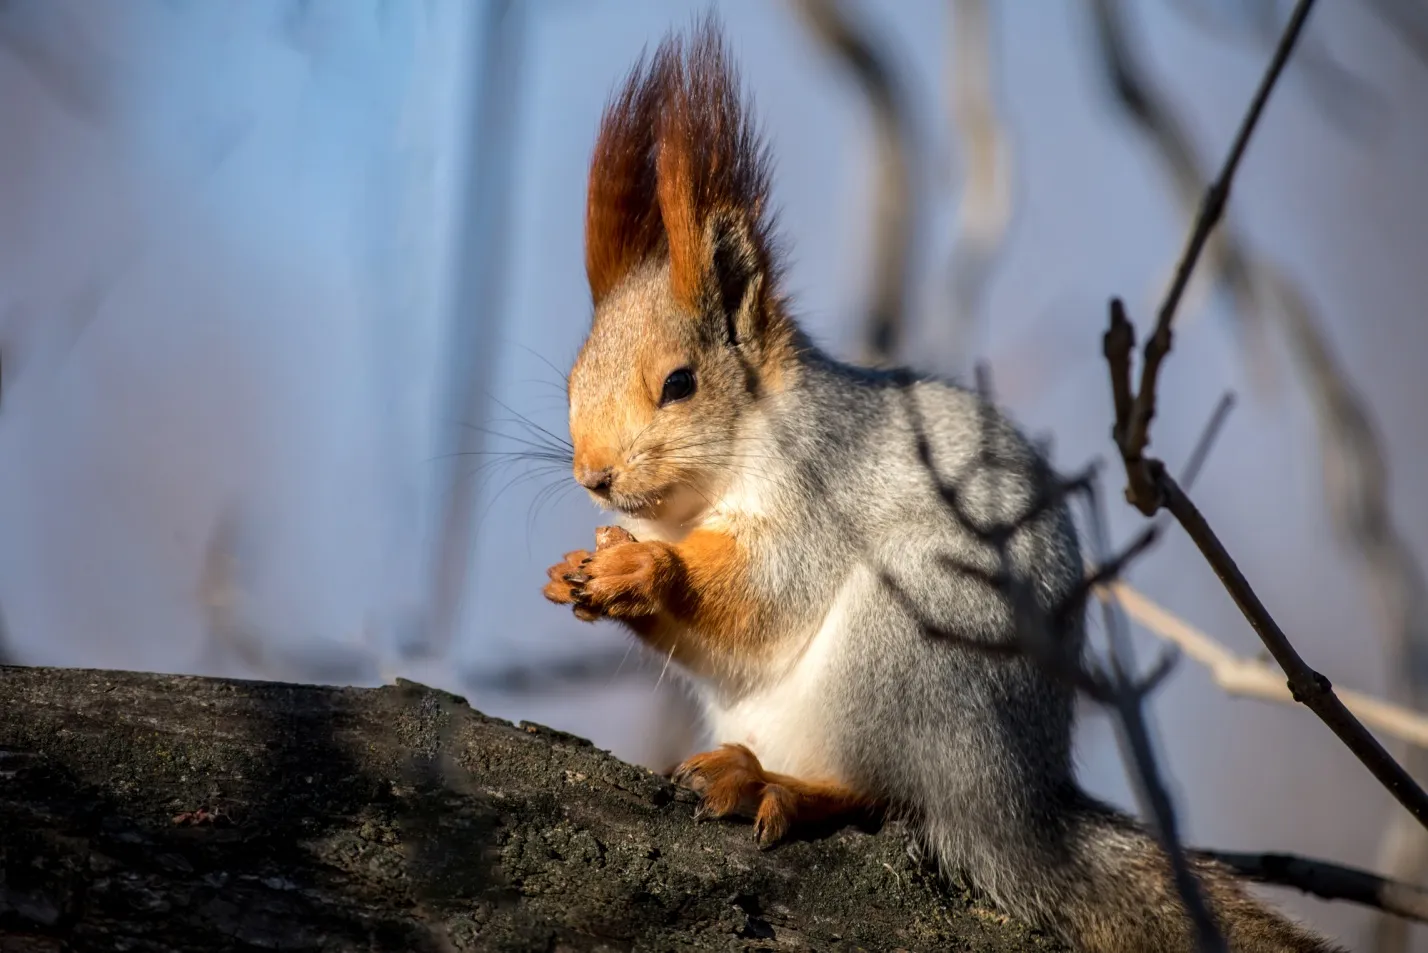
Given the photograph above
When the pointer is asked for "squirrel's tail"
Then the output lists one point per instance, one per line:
(1102, 884)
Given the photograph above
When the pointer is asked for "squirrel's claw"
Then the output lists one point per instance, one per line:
(567, 581)
(770, 827)
(731, 782)
(620, 579)
(685, 776)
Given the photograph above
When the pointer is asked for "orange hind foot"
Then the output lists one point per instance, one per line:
(730, 782)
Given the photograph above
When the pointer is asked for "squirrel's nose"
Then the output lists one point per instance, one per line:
(596, 481)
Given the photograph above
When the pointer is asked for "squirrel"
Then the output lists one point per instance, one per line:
(787, 543)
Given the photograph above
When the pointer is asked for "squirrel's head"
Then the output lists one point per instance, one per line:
(690, 334)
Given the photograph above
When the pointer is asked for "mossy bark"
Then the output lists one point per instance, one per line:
(162, 813)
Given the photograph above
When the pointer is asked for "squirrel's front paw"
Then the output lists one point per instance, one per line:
(622, 579)
(567, 578)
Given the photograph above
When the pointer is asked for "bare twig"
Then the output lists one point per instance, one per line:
(1329, 881)
(1136, 749)
(1391, 934)
(1201, 453)
(1226, 255)
(830, 23)
(1133, 433)
(1354, 469)
(1146, 105)
(1306, 685)
(1344, 97)
(1150, 487)
(1251, 678)
(1356, 485)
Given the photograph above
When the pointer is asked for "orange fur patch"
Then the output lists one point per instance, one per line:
(732, 783)
(690, 599)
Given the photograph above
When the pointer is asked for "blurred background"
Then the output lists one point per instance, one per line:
(287, 286)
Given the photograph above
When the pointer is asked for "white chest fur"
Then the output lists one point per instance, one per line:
(787, 720)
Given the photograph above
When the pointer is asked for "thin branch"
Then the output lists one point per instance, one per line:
(1342, 96)
(1354, 470)
(1208, 436)
(1391, 935)
(1134, 734)
(1251, 678)
(1134, 435)
(1306, 685)
(1136, 93)
(1149, 487)
(1329, 881)
(1356, 487)
(828, 21)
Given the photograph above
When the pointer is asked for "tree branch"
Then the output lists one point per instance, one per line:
(1329, 881)
(1133, 433)
(1306, 685)
(168, 812)
(1252, 678)
(1150, 488)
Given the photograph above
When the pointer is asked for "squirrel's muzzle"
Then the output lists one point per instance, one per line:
(595, 480)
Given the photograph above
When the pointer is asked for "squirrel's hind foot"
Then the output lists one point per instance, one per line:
(731, 782)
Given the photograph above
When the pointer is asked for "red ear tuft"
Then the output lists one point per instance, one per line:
(677, 151)
(622, 223)
(712, 163)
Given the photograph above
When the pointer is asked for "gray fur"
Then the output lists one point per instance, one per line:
(975, 747)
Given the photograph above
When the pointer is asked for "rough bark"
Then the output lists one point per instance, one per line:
(159, 813)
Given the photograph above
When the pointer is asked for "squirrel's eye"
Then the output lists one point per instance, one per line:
(677, 386)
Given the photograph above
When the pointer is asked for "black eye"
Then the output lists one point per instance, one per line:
(677, 386)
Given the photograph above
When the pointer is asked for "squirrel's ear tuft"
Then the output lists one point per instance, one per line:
(712, 173)
(679, 169)
(622, 217)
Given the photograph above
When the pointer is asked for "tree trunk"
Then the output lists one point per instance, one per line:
(166, 813)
